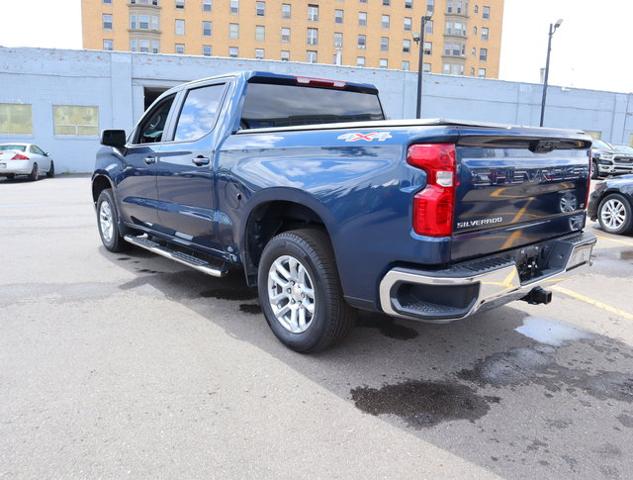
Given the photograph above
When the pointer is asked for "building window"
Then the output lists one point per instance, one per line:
(405, 65)
(384, 44)
(426, 67)
(360, 61)
(235, 7)
(338, 16)
(285, 35)
(155, 46)
(362, 19)
(313, 36)
(459, 7)
(485, 33)
(338, 40)
(286, 10)
(180, 4)
(486, 12)
(482, 73)
(207, 5)
(311, 56)
(107, 2)
(385, 21)
(259, 53)
(386, 3)
(133, 45)
(476, 8)
(260, 9)
(428, 48)
(106, 21)
(206, 50)
(260, 33)
(144, 22)
(383, 63)
(234, 52)
(145, 2)
(430, 6)
(406, 45)
(428, 26)
(76, 120)
(180, 48)
(456, 29)
(362, 41)
(453, 69)
(483, 54)
(234, 31)
(16, 119)
(454, 50)
(408, 3)
(180, 27)
(143, 45)
(313, 13)
(207, 29)
(285, 55)
(108, 44)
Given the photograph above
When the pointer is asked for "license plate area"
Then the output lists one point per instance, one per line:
(3, 165)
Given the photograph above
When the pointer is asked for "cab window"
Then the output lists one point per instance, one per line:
(152, 127)
(199, 111)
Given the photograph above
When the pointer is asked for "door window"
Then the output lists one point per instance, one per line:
(152, 126)
(198, 114)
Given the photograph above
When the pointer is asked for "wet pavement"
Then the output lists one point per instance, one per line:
(130, 366)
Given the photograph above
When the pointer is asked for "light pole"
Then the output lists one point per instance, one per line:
(552, 29)
(420, 40)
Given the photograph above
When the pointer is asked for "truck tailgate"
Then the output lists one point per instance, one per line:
(517, 191)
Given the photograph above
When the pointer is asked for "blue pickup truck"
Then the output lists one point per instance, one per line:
(329, 208)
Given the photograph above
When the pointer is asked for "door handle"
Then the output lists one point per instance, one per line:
(201, 160)
(150, 160)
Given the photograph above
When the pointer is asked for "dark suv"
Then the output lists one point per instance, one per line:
(602, 163)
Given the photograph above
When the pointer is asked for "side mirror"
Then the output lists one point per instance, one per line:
(113, 138)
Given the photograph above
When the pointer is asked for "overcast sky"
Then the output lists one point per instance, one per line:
(589, 51)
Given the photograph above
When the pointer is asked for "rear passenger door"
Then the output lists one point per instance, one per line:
(186, 178)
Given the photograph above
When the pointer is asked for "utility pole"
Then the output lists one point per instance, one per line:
(552, 29)
(420, 40)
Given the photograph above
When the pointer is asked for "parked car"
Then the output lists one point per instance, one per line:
(612, 204)
(623, 159)
(328, 208)
(25, 159)
(602, 164)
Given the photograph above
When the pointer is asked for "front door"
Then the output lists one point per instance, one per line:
(137, 188)
(186, 173)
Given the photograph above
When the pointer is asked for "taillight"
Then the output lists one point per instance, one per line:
(433, 206)
(19, 156)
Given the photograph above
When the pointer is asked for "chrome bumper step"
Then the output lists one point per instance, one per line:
(176, 255)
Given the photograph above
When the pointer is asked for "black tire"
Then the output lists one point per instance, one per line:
(35, 173)
(11, 176)
(51, 171)
(333, 318)
(115, 242)
(626, 225)
(595, 173)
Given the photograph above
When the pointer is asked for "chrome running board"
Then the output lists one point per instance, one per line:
(175, 255)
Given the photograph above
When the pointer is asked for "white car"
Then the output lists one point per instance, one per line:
(25, 159)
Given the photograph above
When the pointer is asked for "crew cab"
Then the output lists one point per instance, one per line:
(328, 208)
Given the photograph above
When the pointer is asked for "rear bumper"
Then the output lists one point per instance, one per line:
(16, 167)
(464, 289)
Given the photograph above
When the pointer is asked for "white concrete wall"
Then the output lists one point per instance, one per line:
(114, 82)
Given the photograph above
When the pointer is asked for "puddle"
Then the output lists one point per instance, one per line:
(423, 404)
(387, 326)
(550, 332)
(250, 308)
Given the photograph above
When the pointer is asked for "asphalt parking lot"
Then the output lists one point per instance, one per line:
(131, 366)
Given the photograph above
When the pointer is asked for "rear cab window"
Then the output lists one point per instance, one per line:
(199, 112)
(270, 105)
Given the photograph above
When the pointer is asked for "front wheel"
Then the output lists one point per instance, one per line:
(614, 214)
(108, 223)
(51, 171)
(300, 291)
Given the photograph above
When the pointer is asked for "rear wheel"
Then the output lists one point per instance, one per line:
(108, 223)
(35, 173)
(51, 171)
(614, 214)
(300, 291)
(11, 176)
